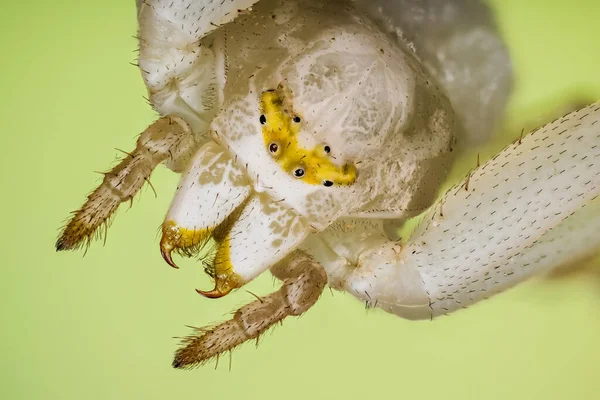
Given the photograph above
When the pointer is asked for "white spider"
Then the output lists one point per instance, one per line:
(306, 129)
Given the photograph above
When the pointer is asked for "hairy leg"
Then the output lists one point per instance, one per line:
(303, 282)
(169, 138)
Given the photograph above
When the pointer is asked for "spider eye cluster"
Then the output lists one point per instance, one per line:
(280, 129)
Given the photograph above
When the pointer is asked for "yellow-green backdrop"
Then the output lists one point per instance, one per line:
(102, 326)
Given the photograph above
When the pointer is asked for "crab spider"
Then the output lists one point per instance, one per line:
(303, 128)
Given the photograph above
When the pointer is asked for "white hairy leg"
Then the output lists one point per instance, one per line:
(530, 209)
(303, 282)
(167, 139)
(184, 73)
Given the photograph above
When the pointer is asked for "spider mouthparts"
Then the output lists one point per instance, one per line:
(183, 240)
(211, 294)
(225, 282)
(166, 252)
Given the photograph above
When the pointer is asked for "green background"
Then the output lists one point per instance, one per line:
(102, 326)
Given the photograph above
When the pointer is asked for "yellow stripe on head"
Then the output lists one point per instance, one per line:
(280, 133)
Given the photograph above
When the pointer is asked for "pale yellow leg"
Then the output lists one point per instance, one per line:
(303, 282)
(166, 139)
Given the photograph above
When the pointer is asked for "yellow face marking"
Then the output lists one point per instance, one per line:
(280, 134)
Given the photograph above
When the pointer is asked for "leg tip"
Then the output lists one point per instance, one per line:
(62, 245)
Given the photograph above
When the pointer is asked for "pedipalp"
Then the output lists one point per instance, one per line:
(167, 138)
(303, 282)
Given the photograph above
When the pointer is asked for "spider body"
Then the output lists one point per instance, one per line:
(301, 128)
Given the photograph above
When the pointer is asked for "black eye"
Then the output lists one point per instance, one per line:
(327, 183)
(327, 149)
(273, 147)
(299, 172)
(263, 119)
(297, 119)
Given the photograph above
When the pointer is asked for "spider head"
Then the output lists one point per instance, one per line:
(325, 134)
(312, 132)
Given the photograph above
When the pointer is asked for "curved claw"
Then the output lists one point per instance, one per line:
(211, 294)
(166, 252)
(224, 284)
(176, 237)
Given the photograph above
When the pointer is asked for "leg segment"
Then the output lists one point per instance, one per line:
(169, 138)
(303, 282)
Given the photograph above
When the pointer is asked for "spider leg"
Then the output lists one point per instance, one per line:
(532, 208)
(303, 282)
(167, 139)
